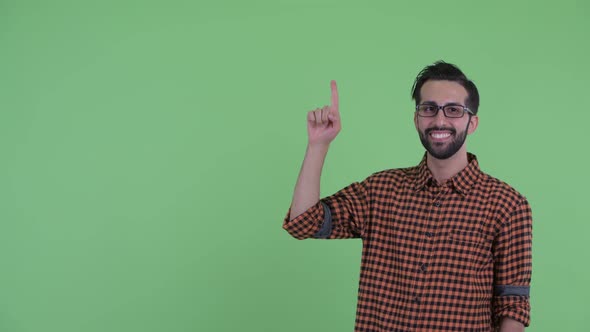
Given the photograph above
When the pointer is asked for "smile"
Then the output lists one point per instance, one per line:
(440, 135)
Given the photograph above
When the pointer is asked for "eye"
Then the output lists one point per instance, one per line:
(427, 110)
(454, 110)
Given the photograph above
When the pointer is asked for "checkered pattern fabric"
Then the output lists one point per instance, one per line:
(436, 257)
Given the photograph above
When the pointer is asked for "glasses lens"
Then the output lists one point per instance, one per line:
(427, 110)
(454, 111)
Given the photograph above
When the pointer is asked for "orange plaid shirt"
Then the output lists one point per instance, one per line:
(436, 257)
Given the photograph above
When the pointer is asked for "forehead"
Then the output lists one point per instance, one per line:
(443, 92)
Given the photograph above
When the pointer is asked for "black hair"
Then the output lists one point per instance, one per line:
(442, 71)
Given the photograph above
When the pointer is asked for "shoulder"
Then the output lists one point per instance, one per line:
(501, 192)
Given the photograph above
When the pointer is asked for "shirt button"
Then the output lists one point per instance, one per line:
(429, 234)
(437, 204)
(424, 267)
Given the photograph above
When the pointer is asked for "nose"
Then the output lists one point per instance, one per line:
(440, 119)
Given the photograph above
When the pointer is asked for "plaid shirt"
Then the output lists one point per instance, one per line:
(436, 257)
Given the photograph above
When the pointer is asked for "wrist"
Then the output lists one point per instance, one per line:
(318, 147)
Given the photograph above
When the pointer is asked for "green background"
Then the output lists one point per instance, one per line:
(150, 149)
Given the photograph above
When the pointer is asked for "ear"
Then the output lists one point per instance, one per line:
(473, 122)
(416, 120)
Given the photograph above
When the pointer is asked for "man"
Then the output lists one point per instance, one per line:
(446, 247)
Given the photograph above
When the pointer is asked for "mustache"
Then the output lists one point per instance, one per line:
(431, 129)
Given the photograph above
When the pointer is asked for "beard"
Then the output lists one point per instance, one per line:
(443, 150)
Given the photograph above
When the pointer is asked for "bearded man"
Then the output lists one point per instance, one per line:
(446, 247)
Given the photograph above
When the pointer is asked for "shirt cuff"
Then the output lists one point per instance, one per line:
(326, 228)
(516, 307)
(305, 225)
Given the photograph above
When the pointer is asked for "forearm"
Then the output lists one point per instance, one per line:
(511, 325)
(307, 189)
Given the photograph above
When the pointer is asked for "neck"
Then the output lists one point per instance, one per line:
(444, 169)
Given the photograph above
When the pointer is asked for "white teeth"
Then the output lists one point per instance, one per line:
(441, 135)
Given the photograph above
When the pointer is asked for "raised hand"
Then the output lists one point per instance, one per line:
(323, 124)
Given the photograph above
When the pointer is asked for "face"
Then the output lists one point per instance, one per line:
(443, 137)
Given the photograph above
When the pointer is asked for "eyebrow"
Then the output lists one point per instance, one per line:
(430, 102)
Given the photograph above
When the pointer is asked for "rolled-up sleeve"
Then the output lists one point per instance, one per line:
(306, 224)
(513, 266)
(346, 213)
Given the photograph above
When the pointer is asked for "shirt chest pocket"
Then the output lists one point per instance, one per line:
(466, 249)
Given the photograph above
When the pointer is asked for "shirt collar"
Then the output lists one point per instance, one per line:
(462, 182)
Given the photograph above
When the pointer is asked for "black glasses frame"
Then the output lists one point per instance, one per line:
(444, 109)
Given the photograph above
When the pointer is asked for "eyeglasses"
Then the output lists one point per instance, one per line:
(450, 111)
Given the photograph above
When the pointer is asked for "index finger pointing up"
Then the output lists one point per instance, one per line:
(334, 95)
